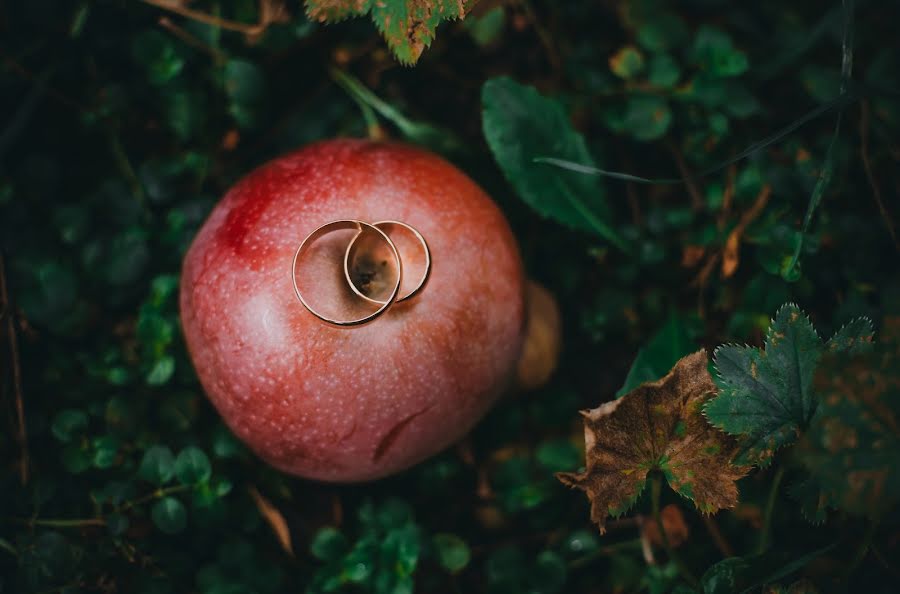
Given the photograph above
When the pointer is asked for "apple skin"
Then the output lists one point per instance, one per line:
(352, 404)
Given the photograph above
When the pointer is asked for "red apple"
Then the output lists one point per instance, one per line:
(352, 404)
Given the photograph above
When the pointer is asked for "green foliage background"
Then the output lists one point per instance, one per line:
(122, 123)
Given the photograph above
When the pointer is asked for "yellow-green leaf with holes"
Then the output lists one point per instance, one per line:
(408, 26)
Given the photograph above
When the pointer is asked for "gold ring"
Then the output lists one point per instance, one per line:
(338, 226)
(400, 298)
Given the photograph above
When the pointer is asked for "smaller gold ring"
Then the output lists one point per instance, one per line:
(339, 226)
(418, 287)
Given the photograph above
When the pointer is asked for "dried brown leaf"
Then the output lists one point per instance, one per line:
(274, 518)
(658, 426)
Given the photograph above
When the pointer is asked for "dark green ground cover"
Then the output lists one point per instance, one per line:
(121, 124)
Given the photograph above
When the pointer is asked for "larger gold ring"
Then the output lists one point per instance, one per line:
(422, 281)
(339, 226)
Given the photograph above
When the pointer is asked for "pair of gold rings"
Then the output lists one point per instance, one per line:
(362, 227)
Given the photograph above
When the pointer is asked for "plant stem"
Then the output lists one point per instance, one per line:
(655, 492)
(64, 523)
(863, 548)
(770, 510)
(8, 313)
(158, 494)
(634, 543)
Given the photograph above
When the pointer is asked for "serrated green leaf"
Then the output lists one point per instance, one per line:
(659, 426)
(408, 26)
(520, 125)
(766, 395)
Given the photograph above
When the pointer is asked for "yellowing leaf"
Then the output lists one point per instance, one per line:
(408, 26)
(658, 426)
(852, 448)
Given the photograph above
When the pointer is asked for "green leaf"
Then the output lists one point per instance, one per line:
(487, 28)
(549, 573)
(520, 125)
(664, 71)
(68, 424)
(244, 82)
(647, 117)
(156, 52)
(408, 26)
(659, 355)
(329, 544)
(714, 52)
(169, 515)
(162, 371)
(664, 31)
(452, 552)
(105, 450)
(192, 466)
(245, 86)
(558, 455)
(766, 395)
(157, 465)
(423, 133)
(627, 63)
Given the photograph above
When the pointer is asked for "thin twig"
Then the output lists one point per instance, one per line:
(606, 551)
(727, 196)
(9, 313)
(690, 184)
(544, 36)
(656, 488)
(267, 15)
(867, 165)
(182, 34)
(718, 538)
(64, 523)
(770, 511)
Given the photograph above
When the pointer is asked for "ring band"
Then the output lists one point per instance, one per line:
(425, 276)
(339, 226)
